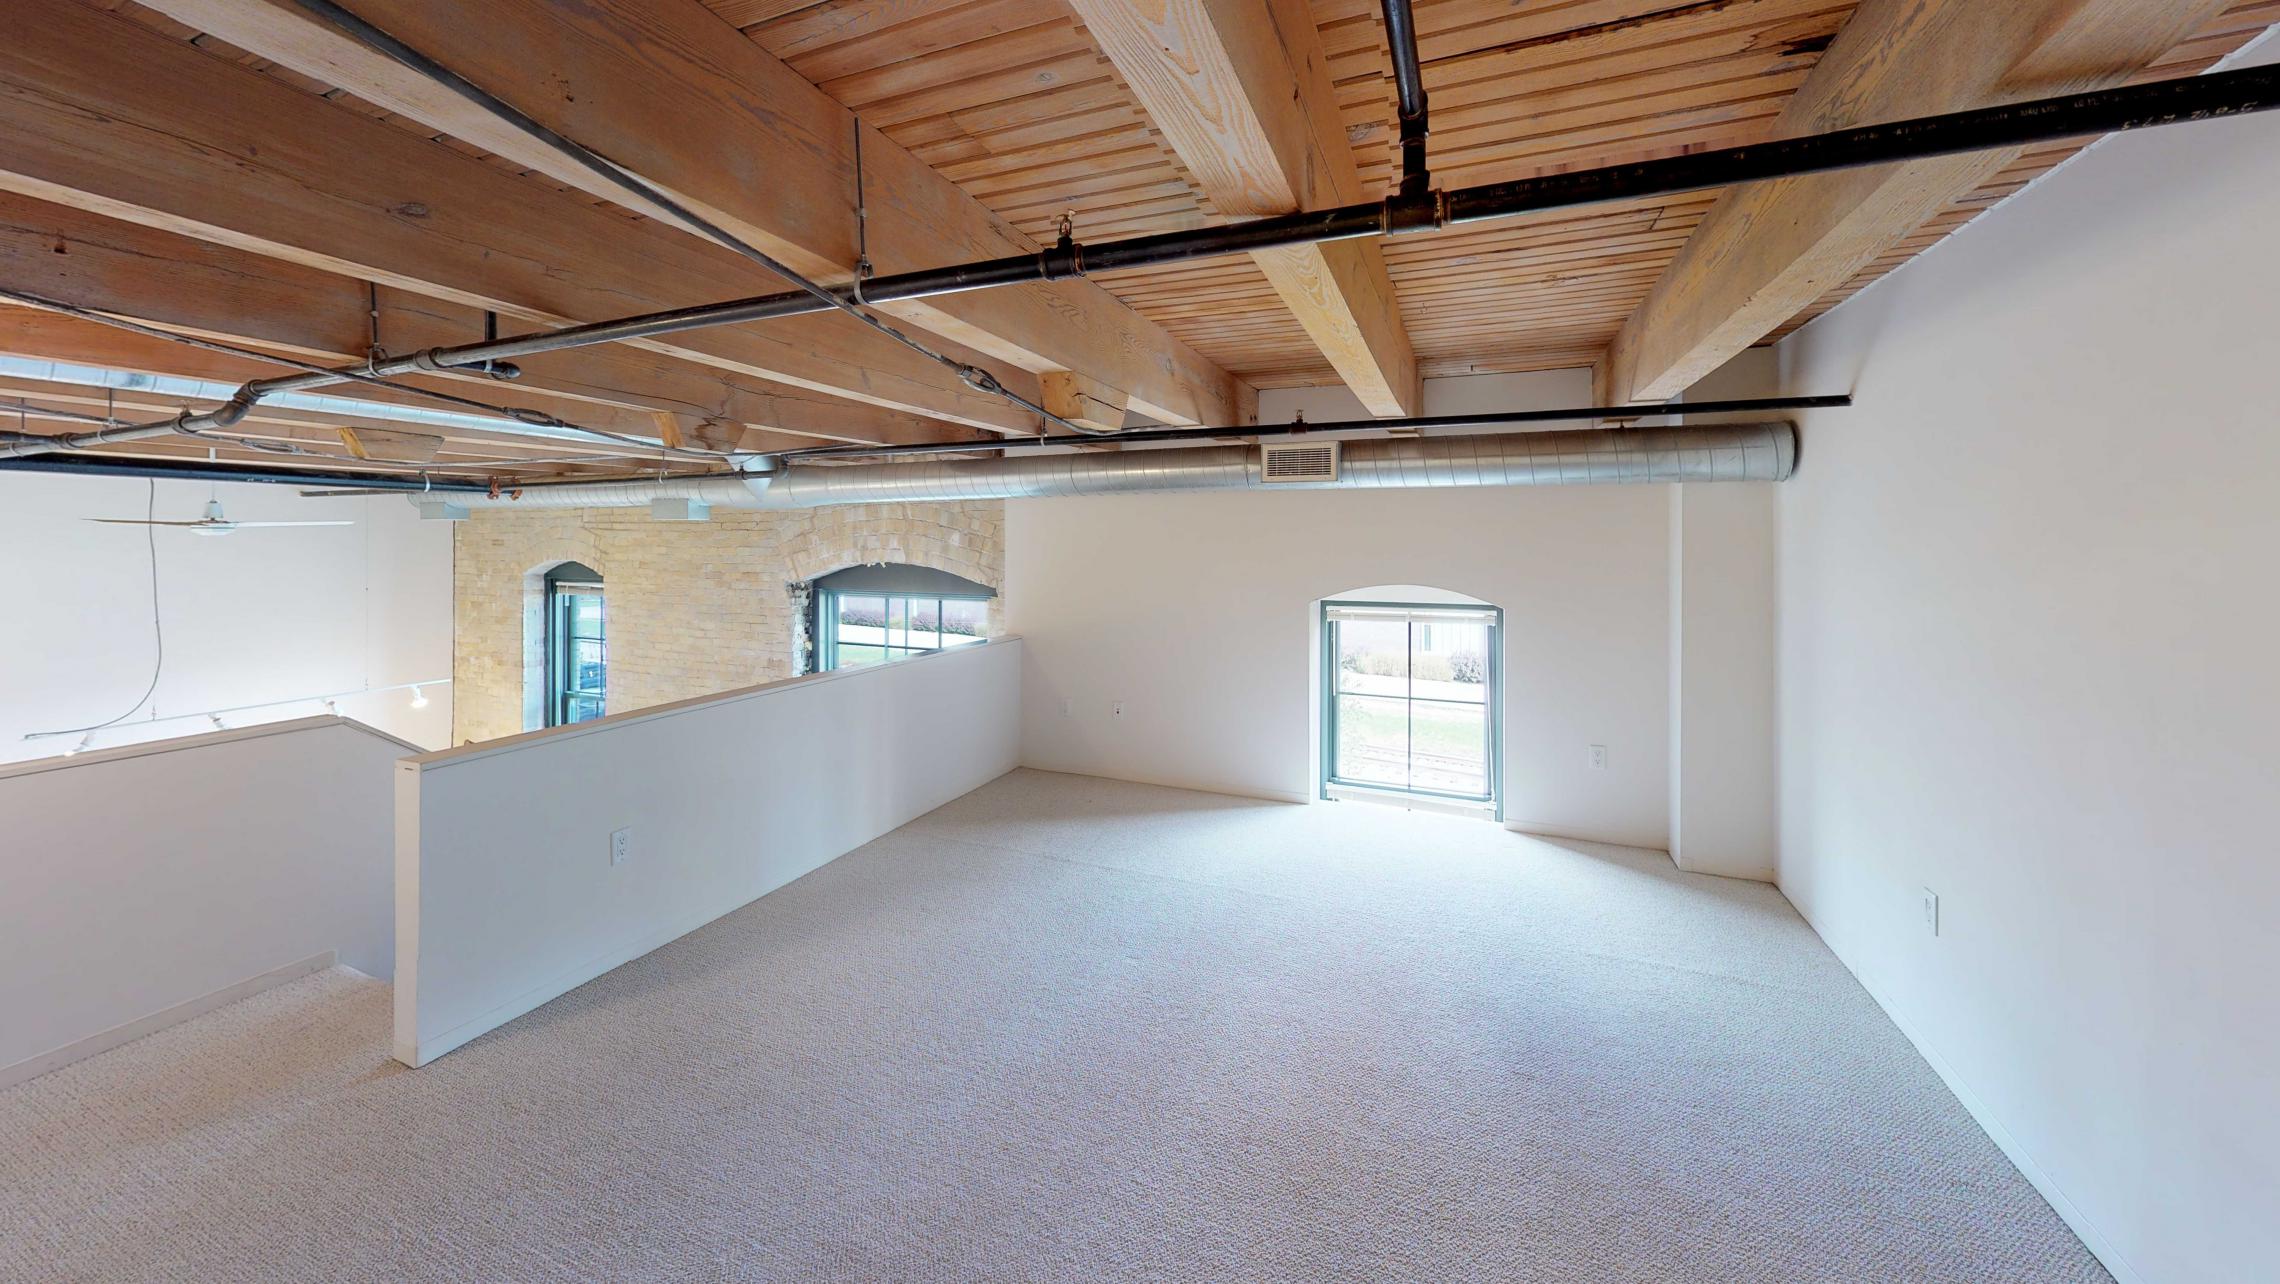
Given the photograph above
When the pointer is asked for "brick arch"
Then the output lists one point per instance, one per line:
(833, 539)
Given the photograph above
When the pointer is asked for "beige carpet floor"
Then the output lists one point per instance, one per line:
(1068, 1029)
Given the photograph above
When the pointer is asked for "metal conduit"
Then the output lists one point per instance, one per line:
(1765, 452)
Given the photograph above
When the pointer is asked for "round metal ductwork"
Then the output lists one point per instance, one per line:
(1761, 452)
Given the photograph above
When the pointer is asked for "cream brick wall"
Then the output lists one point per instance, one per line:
(694, 607)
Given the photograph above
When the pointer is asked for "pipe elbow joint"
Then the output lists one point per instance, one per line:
(233, 411)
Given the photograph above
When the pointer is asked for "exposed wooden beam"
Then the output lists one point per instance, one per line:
(454, 447)
(45, 336)
(1241, 90)
(669, 91)
(219, 292)
(103, 114)
(1084, 402)
(1767, 251)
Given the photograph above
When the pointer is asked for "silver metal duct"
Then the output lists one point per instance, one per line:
(726, 491)
(1764, 452)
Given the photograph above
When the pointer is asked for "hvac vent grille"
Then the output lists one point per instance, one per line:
(1307, 461)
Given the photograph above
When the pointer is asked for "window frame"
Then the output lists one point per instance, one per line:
(561, 637)
(1492, 703)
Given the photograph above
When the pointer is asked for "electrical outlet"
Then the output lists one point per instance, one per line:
(1931, 911)
(1599, 757)
(621, 846)
(1116, 710)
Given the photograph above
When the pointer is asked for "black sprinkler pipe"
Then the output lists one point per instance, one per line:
(2163, 102)
(1408, 96)
(114, 466)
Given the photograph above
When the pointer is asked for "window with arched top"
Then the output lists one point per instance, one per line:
(577, 645)
(875, 614)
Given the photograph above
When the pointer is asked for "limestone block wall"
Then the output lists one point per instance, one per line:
(693, 607)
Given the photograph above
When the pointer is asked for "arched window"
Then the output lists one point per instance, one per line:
(874, 614)
(577, 645)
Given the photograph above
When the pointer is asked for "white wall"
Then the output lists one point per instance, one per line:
(253, 616)
(150, 883)
(2028, 613)
(1195, 611)
(505, 892)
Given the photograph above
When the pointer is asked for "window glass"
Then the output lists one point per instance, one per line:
(1409, 699)
(862, 630)
(964, 620)
(858, 629)
(926, 623)
(1373, 740)
(1373, 657)
(577, 654)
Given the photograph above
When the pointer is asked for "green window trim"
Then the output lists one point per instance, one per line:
(1419, 621)
(577, 647)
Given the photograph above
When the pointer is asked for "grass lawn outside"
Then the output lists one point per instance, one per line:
(1450, 754)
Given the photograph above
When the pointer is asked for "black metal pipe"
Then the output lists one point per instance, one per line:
(2100, 111)
(1409, 96)
(1401, 43)
(2165, 102)
(111, 466)
(1500, 419)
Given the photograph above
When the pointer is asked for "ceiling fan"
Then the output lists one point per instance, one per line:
(215, 522)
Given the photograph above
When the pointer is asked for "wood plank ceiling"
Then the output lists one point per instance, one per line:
(1011, 99)
(1014, 101)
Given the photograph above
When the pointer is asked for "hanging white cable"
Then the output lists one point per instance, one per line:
(157, 631)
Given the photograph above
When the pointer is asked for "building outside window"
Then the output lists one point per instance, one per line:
(577, 645)
(876, 614)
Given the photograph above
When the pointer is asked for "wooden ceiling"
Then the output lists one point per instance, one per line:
(1017, 104)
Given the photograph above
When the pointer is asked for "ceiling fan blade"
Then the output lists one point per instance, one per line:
(137, 521)
(244, 525)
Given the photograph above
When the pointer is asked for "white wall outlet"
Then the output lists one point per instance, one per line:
(1117, 709)
(621, 846)
(1599, 757)
(1931, 911)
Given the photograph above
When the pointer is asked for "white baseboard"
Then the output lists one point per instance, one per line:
(81, 1049)
(1223, 790)
(1534, 830)
(2076, 1220)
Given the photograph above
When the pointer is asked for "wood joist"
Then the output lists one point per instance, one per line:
(672, 94)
